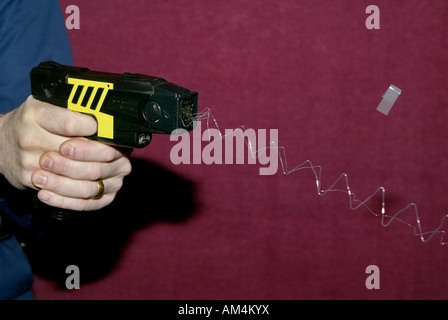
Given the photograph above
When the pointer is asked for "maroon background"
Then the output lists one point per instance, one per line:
(313, 71)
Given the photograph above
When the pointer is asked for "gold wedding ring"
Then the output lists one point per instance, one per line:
(100, 192)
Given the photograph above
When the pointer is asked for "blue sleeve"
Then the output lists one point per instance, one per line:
(15, 272)
(31, 31)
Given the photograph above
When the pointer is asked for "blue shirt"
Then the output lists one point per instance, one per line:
(31, 31)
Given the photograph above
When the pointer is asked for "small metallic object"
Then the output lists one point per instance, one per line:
(100, 192)
(389, 98)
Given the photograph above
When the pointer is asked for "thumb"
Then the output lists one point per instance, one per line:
(64, 122)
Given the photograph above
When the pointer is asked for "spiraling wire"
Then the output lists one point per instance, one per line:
(354, 203)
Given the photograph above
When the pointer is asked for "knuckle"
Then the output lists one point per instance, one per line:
(25, 178)
(62, 166)
(25, 163)
(68, 203)
(25, 140)
(79, 151)
(56, 201)
(53, 183)
(125, 167)
(95, 171)
(27, 133)
(79, 205)
(53, 161)
(118, 185)
(60, 202)
(72, 204)
(30, 99)
(35, 113)
(109, 154)
(39, 110)
(69, 126)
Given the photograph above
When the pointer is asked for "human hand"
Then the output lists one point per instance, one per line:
(41, 148)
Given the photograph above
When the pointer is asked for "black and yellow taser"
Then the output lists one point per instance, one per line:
(128, 107)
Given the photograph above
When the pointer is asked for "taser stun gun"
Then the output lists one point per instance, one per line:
(128, 107)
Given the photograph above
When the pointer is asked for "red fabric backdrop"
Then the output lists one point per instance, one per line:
(312, 70)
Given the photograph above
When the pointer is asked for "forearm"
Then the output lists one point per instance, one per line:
(2, 119)
(9, 168)
(3, 139)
